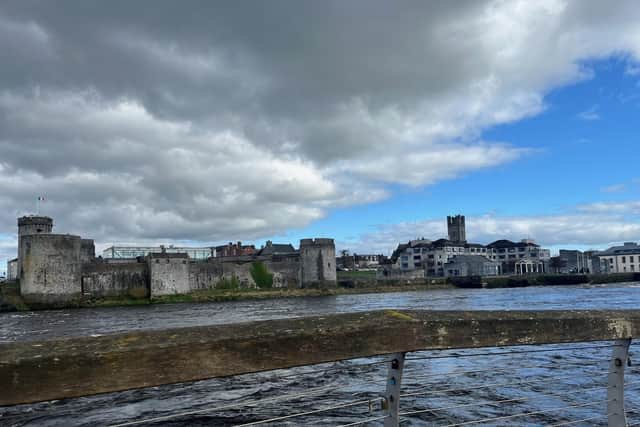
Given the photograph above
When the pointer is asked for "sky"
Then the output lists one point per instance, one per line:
(202, 122)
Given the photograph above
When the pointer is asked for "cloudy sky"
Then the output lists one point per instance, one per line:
(367, 121)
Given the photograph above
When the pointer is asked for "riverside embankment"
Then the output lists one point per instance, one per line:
(348, 283)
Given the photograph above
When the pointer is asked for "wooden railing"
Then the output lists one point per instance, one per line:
(55, 369)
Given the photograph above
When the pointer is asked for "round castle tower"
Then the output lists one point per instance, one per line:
(30, 225)
(318, 262)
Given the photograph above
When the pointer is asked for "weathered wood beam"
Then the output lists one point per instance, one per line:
(37, 371)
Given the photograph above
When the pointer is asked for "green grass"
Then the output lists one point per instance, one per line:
(359, 274)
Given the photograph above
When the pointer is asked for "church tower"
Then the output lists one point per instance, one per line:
(456, 229)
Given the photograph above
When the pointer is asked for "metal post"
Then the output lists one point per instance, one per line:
(392, 394)
(615, 389)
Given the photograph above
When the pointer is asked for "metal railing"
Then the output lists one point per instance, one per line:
(601, 392)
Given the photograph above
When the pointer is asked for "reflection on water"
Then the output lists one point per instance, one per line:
(583, 372)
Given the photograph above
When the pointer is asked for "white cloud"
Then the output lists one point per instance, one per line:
(632, 69)
(614, 188)
(626, 207)
(589, 114)
(597, 228)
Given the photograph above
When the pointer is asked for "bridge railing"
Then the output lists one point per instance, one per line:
(37, 371)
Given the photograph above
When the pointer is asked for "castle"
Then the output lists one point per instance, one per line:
(59, 268)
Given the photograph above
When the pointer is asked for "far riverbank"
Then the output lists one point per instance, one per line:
(348, 283)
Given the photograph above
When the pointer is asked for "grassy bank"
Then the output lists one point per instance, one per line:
(222, 295)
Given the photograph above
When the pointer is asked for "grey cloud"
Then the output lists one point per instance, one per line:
(207, 120)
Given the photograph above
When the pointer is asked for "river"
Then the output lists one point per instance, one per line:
(558, 377)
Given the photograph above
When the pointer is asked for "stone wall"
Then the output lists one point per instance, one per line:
(212, 273)
(51, 268)
(87, 250)
(28, 225)
(318, 262)
(204, 275)
(286, 272)
(397, 274)
(60, 268)
(168, 274)
(100, 279)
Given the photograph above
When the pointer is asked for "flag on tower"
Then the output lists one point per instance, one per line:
(41, 198)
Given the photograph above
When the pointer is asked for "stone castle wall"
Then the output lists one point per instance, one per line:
(168, 274)
(60, 268)
(52, 268)
(100, 279)
(29, 225)
(318, 258)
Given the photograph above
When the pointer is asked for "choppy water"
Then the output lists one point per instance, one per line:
(569, 375)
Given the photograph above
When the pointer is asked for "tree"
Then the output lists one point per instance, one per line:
(261, 275)
(557, 264)
(346, 259)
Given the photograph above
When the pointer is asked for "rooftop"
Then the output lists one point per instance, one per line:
(626, 248)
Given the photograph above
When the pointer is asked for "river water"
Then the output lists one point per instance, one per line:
(504, 383)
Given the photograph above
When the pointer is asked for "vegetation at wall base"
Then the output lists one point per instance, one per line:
(261, 275)
(227, 284)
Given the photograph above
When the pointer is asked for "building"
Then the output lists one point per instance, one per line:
(432, 256)
(234, 249)
(530, 266)
(470, 265)
(620, 259)
(129, 252)
(574, 261)
(593, 262)
(61, 268)
(508, 253)
(12, 269)
(366, 261)
(276, 249)
(30, 225)
(456, 229)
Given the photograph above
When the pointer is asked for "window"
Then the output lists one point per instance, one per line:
(512, 256)
(431, 256)
(405, 265)
(416, 250)
(624, 259)
(630, 258)
(404, 258)
(501, 257)
(417, 257)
